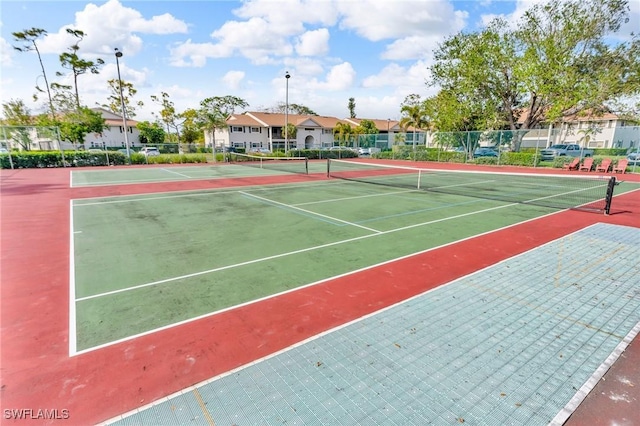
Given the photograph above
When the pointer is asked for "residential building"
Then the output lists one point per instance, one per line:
(45, 139)
(253, 130)
(113, 137)
(589, 131)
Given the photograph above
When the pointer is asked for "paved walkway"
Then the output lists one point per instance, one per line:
(521, 342)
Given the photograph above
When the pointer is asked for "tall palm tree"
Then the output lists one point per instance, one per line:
(209, 119)
(344, 131)
(414, 115)
(215, 111)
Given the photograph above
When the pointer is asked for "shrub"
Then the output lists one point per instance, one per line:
(315, 154)
(528, 159)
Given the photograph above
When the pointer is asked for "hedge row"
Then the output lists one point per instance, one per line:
(45, 159)
(434, 154)
(320, 154)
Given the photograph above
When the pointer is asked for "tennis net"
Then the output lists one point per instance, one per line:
(593, 193)
(284, 164)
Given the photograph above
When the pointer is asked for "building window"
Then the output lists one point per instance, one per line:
(255, 130)
(237, 129)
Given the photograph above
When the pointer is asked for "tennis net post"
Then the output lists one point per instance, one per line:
(609, 197)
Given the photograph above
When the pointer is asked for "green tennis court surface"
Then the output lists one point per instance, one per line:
(170, 173)
(516, 343)
(146, 262)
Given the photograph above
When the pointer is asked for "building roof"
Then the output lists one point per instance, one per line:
(587, 115)
(273, 119)
(112, 119)
(243, 120)
(380, 124)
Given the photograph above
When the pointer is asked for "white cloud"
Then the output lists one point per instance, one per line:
(256, 39)
(339, 77)
(233, 79)
(313, 43)
(406, 80)
(411, 48)
(305, 67)
(512, 18)
(290, 15)
(392, 20)
(6, 53)
(196, 53)
(111, 25)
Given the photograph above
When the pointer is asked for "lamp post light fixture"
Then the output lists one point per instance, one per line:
(286, 113)
(124, 113)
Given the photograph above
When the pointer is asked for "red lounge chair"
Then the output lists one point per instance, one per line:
(573, 165)
(621, 166)
(587, 165)
(604, 166)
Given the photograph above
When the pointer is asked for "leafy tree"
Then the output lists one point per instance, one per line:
(72, 61)
(168, 114)
(291, 131)
(366, 132)
(343, 132)
(560, 61)
(413, 115)
(293, 109)
(190, 130)
(449, 112)
(215, 111)
(76, 124)
(151, 133)
(16, 113)
(29, 38)
(115, 103)
(64, 100)
(352, 107)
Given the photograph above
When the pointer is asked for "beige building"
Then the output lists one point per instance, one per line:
(254, 130)
(113, 136)
(606, 131)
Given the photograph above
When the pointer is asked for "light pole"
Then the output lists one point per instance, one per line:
(286, 112)
(124, 113)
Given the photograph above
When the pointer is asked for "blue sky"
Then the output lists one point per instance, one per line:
(376, 51)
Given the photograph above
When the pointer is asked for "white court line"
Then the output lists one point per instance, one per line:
(72, 286)
(277, 256)
(597, 375)
(557, 421)
(355, 197)
(251, 302)
(308, 211)
(378, 233)
(176, 173)
(194, 193)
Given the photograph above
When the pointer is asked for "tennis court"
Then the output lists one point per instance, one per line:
(145, 262)
(252, 295)
(171, 173)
